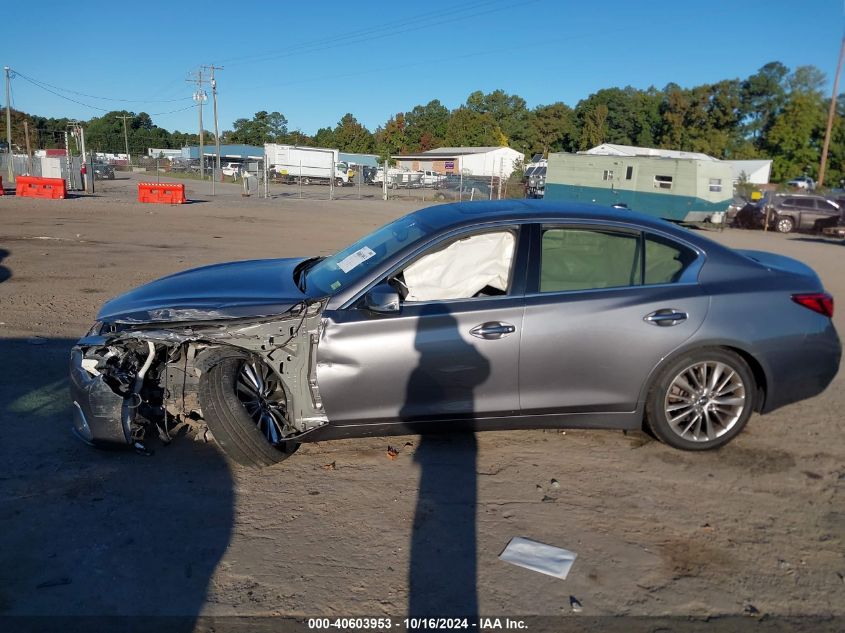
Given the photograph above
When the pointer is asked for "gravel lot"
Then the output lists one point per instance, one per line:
(753, 530)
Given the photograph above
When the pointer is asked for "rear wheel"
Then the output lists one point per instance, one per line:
(245, 406)
(785, 224)
(701, 400)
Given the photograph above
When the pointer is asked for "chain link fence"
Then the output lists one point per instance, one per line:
(68, 169)
(254, 180)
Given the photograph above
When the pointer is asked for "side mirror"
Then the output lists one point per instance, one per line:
(383, 298)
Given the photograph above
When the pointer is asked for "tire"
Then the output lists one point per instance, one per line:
(233, 427)
(306, 181)
(338, 182)
(785, 224)
(688, 428)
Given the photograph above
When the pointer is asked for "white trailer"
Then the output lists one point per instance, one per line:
(308, 164)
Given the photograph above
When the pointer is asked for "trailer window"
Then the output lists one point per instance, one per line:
(715, 184)
(629, 172)
(608, 174)
(663, 182)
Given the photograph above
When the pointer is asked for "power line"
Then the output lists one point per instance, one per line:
(82, 94)
(381, 32)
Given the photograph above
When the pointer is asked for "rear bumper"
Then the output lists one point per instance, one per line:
(805, 372)
(97, 410)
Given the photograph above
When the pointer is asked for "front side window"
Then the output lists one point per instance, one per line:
(474, 266)
(663, 182)
(587, 259)
(805, 203)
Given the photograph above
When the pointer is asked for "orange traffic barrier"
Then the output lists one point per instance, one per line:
(161, 193)
(35, 187)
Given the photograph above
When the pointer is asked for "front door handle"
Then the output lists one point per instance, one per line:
(666, 317)
(492, 330)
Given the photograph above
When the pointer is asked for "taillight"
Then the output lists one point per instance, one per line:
(820, 302)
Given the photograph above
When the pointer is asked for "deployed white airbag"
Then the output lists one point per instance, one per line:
(462, 269)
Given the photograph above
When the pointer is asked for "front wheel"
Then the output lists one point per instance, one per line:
(245, 406)
(785, 224)
(702, 400)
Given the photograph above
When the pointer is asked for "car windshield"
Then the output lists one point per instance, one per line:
(329, 275)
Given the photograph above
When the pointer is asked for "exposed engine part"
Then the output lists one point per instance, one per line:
(156, 372)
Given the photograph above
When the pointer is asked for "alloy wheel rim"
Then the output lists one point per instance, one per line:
(263, 397)
(705, 401)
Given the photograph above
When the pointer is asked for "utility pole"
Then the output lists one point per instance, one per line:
(212, 68)
(200, 97)
(28, 146)
(9, 123)
(830, 114)
(125, 136)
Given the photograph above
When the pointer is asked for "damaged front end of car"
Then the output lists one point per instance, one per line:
(131, 381)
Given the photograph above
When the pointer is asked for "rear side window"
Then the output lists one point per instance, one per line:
(805, 203)
(665, 261)
(588, 259)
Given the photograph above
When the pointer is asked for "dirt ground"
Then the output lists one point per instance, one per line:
(753, 530)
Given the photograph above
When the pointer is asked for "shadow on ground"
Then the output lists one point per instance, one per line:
(5, 273)
(88, 532)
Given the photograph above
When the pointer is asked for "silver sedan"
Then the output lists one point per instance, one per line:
(472, 316)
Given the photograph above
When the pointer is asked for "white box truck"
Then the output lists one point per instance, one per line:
(310, 164)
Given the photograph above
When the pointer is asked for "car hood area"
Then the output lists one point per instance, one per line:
(253, 288)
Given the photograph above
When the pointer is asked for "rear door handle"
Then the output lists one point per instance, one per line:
(666, 317)
(492, 330)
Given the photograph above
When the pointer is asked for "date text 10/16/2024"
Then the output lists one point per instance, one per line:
(385, 624)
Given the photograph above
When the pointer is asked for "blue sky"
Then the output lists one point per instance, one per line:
(315, 61)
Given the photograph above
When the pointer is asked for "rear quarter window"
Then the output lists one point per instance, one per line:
(665, 261)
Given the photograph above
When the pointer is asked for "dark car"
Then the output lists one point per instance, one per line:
(834, 226)
(103, 171)
(470, 316)
(791, 212)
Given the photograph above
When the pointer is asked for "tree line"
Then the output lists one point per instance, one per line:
(776, 113)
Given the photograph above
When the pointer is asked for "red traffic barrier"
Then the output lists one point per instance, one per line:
(161, 193)
(2, 192)
(35, 187)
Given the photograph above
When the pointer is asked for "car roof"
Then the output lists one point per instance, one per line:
(469, 213)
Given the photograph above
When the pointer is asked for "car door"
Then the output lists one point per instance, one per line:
(449, 359)
(603, 306)
(807, 214)
(824, 211)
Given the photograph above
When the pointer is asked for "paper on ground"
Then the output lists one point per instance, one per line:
(546, 559)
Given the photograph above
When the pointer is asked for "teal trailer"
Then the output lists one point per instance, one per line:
(678, 189)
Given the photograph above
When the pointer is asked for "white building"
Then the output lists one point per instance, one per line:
(170, 154)
(756, 172)
(471, 161)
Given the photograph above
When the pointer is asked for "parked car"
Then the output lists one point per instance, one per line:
(431, 178)
(834, 226)
(490, 315)
(103, 171)
(790, 212)
(231, 169)
(802, 182)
